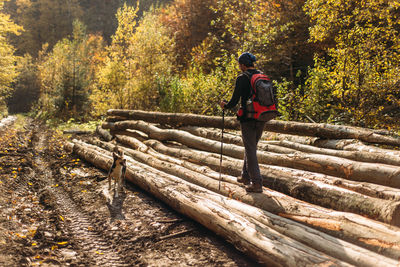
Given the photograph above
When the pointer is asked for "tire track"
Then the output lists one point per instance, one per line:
(78, 224)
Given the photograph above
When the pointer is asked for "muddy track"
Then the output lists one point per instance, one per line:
(55, 212)
(78, 224)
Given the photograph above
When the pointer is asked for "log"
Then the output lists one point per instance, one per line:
(271, 136)
(322, 130)
(234, 139)
(354, 228)
(287, 147)
(384, 157)
(248, 211)
(308, 190)
(167, 165)
(115, 118)
(75, 131)
(104, 134)
(330, 245)
(259, 241)
(354, 145)
(135, 134)
(273, 172)
(138, 145)
(358, 171)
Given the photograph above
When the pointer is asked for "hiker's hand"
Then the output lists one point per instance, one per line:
(222, 104)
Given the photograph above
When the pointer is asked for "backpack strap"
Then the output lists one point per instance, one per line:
(249, 75)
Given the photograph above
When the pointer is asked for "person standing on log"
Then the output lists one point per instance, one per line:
(251, 129)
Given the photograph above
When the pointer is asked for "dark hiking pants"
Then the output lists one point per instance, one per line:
(251, 134)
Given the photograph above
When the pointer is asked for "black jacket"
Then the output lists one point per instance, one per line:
(242, 91)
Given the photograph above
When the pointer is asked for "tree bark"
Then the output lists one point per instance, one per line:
(351, 227)
(347, 218)
(260, 241)
(104, 134)
(287, 147)
(139, 145)
(308, 190)
(271, 136)
(298, 128)
(364, 156)
(354, 145)
(272, 173)
(358, 171)
(234, 139)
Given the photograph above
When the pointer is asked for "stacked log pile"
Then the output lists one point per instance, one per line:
(331, 196)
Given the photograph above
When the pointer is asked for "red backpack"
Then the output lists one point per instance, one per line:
(262, 103)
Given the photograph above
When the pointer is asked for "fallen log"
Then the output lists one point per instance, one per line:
(358, 171)
(135, 134)
(271, 136)
(354, 145)
(287, 147)
(234, 139)
(354, 228)
(259, 241)
(166, 165)
(384, 157)
(322, 130)
(308, 190)
(275, 197)
(272, 173)
(104, 134)
(77, 132)
(138, 145)
(330, 245)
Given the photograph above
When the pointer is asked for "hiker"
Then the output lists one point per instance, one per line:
(251, 129)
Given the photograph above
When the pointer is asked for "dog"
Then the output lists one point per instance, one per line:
(117, 171)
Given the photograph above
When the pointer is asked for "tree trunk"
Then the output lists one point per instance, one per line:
(280, 223)
(365, 156)
(271, 136)
(138, 145)
(258, 240)
(358, 171)
(354, 145)
(274, 172)
(77, 132)
(235, 139)
(298, 128)
(354, 228)
(104, 134)
(308, 190)
(287, 147)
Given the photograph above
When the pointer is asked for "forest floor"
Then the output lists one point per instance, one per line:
(53, 213)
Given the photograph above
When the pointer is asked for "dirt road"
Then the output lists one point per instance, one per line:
(54, 213)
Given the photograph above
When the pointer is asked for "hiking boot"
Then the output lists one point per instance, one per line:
(245, 181)
(254, 188)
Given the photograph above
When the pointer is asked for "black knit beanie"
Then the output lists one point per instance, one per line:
(247, 59)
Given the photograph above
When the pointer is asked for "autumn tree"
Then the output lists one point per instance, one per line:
(26, 87)
(359, 79)
(275, 31)
(117, 68)
(44, 21)
(66, 74)
(8, 70)
(188, 22)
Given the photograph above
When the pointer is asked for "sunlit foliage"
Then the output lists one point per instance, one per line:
(8, 70)
(360, 75)
(66, 74)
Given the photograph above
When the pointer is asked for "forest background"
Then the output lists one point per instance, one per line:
(335, 61)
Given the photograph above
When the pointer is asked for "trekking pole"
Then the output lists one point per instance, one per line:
(222, 143)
